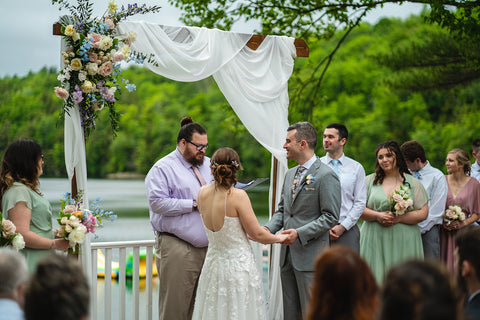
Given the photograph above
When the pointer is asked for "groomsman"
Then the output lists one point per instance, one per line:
(308, 209)
(434, 182)
(352, 181)
(476, 154)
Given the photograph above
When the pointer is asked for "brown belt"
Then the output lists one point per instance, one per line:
(166, 234)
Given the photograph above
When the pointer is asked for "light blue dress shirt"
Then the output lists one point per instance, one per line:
(171, 188)
(354, 189)
(434, 182)
(10, 310)
(475, 171)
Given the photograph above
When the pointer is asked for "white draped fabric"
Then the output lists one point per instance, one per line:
(254, 82)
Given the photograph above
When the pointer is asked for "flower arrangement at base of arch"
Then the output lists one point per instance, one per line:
(91, 77)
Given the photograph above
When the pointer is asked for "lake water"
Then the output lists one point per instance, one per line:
(127, 198)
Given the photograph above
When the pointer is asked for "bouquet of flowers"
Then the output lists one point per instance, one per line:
(75, 221)
(8, 236)
(401, 201)
(453, 213)
(91, 77)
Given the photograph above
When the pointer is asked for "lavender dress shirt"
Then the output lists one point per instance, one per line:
(171, 187)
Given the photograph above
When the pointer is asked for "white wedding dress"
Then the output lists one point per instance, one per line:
(230, 286)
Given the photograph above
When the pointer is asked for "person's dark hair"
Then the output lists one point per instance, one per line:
(305, 131)
(58, 289)
(392, 146)
(463, 159)
(467, 241)
(412, 150)
(188, 128)
(343, 287)
(224, 164)
(342, 130)
(20, 164)
(476, 145)
(420, 290)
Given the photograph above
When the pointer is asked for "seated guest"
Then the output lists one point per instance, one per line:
(419, 290)
(343, 287)
(13, 277)
(58, 289)
(468, 269)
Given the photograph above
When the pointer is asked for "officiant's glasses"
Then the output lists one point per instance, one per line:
(199, 147)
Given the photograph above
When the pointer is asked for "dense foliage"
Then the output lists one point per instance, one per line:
(355, 92)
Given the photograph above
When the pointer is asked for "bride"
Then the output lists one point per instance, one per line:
(230, 285)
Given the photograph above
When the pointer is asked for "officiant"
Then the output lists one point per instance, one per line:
(172, 186)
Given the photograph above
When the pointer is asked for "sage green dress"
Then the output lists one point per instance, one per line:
(382, 247)
(40, 222)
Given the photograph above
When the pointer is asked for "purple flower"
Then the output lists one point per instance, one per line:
(77, 95)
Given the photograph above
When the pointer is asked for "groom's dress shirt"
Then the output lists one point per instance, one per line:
(171, 185)
(354, 189)
(434, 182)
(475, 171)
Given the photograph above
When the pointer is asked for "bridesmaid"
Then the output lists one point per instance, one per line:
(464, 192)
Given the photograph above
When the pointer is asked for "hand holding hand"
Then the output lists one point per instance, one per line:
(282, 237)
(386, 219)
(336, 232)
(292, 236)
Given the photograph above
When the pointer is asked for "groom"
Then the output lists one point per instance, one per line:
(308, 209)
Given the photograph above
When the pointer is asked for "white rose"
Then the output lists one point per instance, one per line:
(64, 220)
(92, 68)
(18, 242)
(77, 235)
(68, 228)
(106, 42)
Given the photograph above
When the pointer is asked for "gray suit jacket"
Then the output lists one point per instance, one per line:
(313, 212)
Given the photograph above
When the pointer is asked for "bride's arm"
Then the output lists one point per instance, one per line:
(249, 220)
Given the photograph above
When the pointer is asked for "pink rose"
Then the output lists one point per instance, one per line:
(105, 69)
(94, 39)
(118, 56)
(396, 197)
(110, 23)
(70, 209)
(8, 228)
(92, 57)
(61, 93)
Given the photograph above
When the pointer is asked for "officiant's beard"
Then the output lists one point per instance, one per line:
(196, 158)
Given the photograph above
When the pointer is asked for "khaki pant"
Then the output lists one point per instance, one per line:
(178, 265)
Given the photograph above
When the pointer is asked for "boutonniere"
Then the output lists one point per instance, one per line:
(309, 179)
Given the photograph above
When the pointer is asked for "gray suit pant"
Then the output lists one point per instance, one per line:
(295, 289)
(431, 243)
(350, 238)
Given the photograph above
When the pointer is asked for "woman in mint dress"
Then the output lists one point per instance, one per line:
(385, 237)
(23, 204)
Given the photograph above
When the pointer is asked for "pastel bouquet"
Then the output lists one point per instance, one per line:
(91, 76)
(401, 201)
(9, 236)
(453, 213)
(75, 222)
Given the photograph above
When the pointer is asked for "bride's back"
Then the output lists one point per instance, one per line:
(214, 205)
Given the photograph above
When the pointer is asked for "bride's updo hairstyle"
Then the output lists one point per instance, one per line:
(224, 164)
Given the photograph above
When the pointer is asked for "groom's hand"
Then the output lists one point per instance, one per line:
(292, 236)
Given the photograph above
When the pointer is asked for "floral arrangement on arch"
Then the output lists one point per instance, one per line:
(9, 236)
(401, 201)
(75, 222)
(91, 77)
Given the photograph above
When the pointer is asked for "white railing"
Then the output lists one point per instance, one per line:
(119, 250)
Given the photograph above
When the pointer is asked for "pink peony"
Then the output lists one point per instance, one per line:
(70, 209)
(105, 69)
(61, 93)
